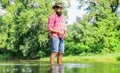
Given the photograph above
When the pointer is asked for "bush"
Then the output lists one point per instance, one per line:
(72, 48)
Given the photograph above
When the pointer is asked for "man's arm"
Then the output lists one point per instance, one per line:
(55, 31)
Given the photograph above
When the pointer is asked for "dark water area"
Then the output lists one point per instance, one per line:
(44, 67)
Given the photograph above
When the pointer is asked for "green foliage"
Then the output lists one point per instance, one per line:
(98, 31)
(23, 29)
(24, 34)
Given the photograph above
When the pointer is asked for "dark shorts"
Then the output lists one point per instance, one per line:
(57, 45)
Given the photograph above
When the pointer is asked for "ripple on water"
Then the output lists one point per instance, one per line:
(75, 65)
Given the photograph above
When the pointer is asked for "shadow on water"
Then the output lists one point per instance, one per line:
(40, 67)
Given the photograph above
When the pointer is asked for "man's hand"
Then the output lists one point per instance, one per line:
(63, 35)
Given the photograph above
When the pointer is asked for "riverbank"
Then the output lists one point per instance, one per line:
(93, 58)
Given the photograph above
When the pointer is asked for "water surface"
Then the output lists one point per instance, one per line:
(41, 67)
(83, 67)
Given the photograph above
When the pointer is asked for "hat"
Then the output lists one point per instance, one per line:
(57, 4)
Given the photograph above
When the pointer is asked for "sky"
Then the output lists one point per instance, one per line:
(73, 11)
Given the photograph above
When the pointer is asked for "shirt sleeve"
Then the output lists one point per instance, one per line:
(50, 23)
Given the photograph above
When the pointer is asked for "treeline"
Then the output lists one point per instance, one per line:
(23, 29)
(98, 32)
(24, 34)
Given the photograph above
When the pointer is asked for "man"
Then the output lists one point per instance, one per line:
(58, 32)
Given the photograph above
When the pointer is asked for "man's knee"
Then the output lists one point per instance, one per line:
(60, 54)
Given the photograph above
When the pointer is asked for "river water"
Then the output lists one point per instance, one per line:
(45, 67)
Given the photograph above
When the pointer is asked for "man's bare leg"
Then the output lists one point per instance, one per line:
(52, 58)
(59, 59)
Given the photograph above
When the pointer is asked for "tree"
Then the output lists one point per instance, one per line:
(114, 4)
(98, 31)
(24, 28)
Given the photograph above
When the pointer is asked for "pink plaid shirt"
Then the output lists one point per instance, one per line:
(56, 23)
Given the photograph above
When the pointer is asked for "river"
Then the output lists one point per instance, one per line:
(45, 67)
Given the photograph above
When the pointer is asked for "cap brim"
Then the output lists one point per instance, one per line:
(56, 6)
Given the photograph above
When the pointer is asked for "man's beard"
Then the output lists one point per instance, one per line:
(59, 13)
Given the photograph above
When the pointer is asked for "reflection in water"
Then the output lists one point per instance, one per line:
(27, 68)
(57, 69)
(60, 68)
(73, 65)
(19, 68)
(37, 67)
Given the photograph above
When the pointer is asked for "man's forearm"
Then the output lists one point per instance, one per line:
(55, 31)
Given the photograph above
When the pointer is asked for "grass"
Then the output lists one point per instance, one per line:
(93, 58)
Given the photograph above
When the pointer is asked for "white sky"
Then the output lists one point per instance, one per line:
(73, 12)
